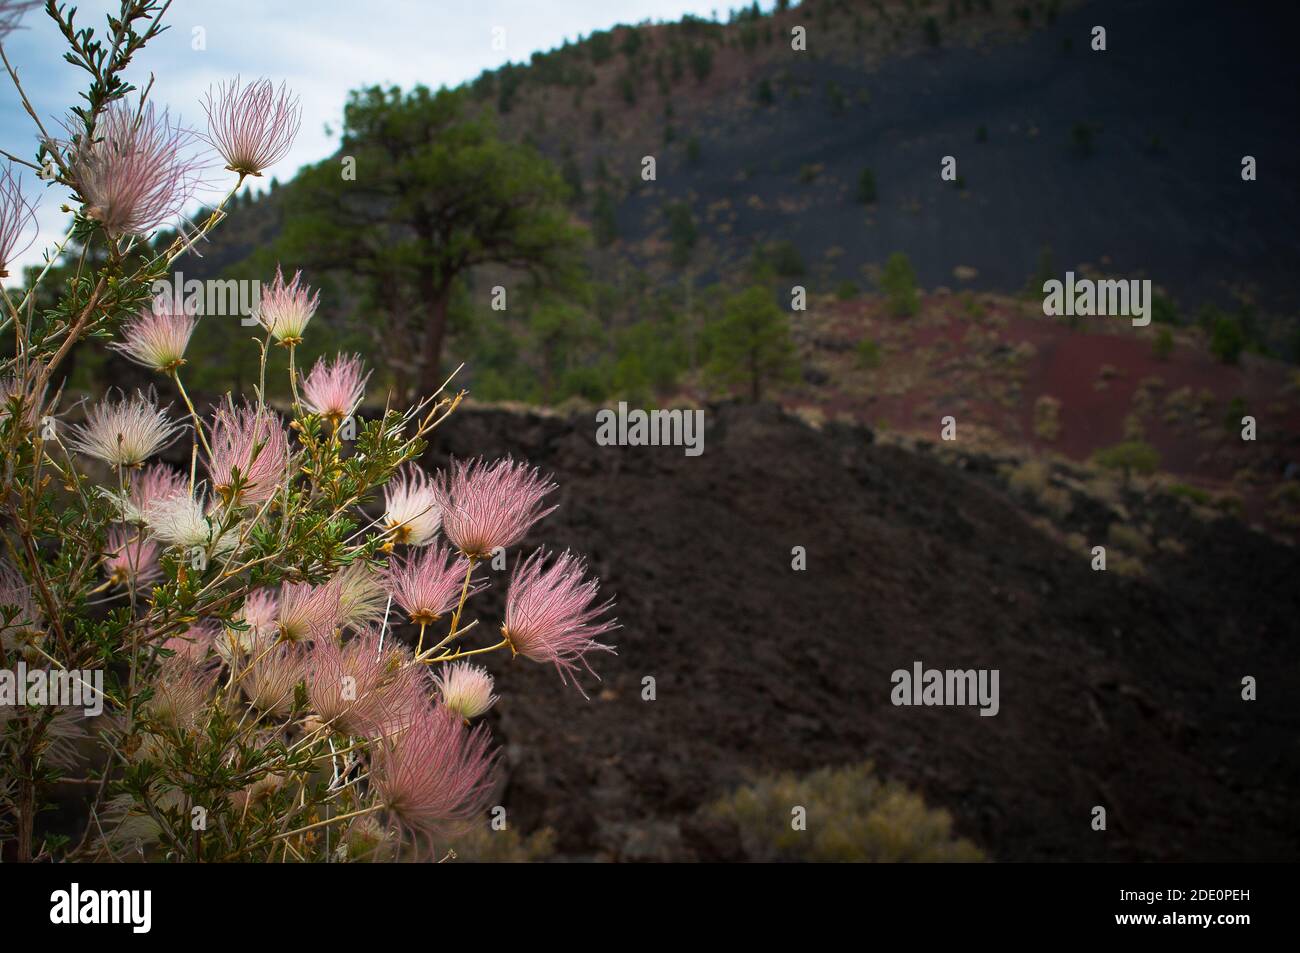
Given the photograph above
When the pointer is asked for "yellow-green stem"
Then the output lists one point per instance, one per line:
(464, 593)
(198, 426)
(293, 380)
(458, 655)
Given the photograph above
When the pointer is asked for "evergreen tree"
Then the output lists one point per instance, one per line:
(435, 195)
(751, 344)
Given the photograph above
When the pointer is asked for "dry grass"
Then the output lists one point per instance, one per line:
(1129, 539)
(851, 816)
(1047, 417)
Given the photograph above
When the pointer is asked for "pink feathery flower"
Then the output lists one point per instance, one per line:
(157, 481)
(411, 511)
(335, 390)
(17, 216)
(261, 609)
(125, 432)
(192, 645)
(252, 127)
(356, 688)
(181, 693)
(270, 681)
(131, 557)
(157, 337)
(26, 620)
(259, 612)
(308, 612)
(466, 689)
(137, 172)
(285, 309)
(552, 614)
(489, 506)
(427, 584)
(436, 775)
(14, 395)
(252, 441)
(406, 700)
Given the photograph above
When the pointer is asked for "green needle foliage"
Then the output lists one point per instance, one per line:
(751, 345)
(435, 194)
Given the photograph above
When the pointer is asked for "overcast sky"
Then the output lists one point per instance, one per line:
(323, 48)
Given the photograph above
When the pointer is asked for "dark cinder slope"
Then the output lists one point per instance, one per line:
(1183, 91)
(1117, 692)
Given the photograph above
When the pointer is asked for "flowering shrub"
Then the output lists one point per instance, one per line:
(284, 661)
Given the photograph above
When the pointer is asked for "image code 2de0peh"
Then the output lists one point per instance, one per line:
(1214, 895)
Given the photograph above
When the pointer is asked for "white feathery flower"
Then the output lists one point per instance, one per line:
(125, 432)
(179, 520)
(466, 689)
(411, 510)
(252, 126)
(362, 596)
